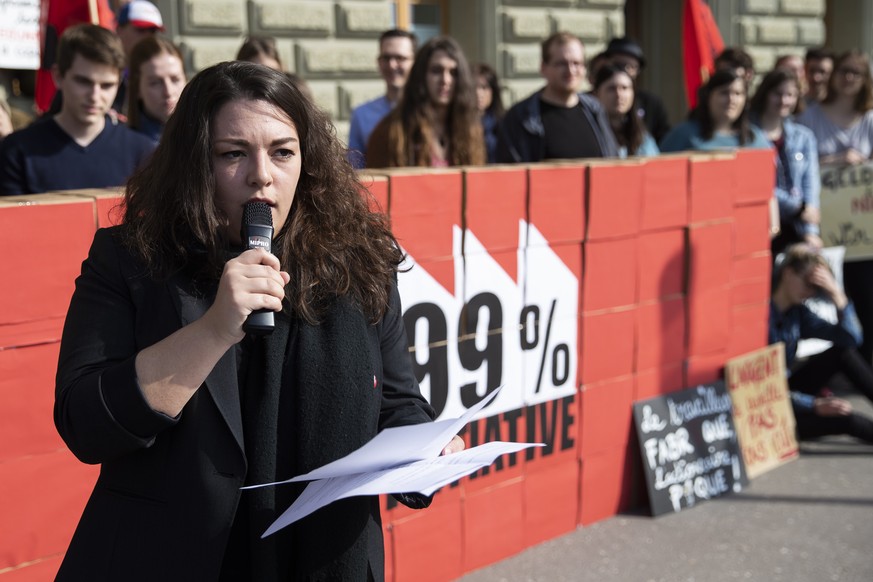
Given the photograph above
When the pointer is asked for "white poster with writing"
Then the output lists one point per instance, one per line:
(19, 34)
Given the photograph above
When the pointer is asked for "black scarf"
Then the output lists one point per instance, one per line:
(306, 380)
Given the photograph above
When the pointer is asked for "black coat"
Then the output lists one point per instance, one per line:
(168, 490)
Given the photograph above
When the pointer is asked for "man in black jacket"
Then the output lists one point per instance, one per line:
(557, 122)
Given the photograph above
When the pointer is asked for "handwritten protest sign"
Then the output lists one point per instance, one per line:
(689, 447)
(847, 209)
(19, 34)
(762, 409)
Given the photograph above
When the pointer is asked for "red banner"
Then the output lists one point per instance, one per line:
(701, 44)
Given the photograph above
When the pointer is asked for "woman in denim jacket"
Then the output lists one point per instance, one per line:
(797, 172)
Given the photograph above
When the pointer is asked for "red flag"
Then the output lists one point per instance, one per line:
(56, 16)
(701, 44)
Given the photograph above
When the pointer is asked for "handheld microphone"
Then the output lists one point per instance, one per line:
(257, 232)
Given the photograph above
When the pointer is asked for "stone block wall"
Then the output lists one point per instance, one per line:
(333, 45)
(771, 28)
(524, 24)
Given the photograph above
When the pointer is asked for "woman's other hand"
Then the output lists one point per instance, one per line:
(456, 445)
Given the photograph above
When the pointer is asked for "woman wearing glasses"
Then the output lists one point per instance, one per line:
(843, 122)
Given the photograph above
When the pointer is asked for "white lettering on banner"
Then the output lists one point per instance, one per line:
(19, 34)
(494, 330)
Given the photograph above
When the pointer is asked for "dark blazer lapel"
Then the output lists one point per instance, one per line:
(221, 382)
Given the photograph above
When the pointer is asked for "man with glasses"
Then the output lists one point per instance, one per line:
(396, 54)
(557, 122)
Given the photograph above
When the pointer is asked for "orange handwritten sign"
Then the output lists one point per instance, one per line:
(762, 409)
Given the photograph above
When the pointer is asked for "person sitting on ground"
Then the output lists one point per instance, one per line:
(558, 121)
(797, 174)
(627, 54)
(82, 146)
(157, 77)
(720, 120)
(801, 273)
(490, 105)
(614, 88)
(436, 123)
(261, 50)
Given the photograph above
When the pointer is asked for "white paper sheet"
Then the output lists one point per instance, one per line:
(398, 460)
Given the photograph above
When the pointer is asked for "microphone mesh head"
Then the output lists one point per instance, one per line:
(257, 213)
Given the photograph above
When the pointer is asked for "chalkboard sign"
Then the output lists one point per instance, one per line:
(689, 447)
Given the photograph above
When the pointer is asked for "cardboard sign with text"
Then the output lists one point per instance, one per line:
(689, 447)
(847, 209)
(762, 409)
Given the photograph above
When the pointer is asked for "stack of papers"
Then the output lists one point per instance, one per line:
(403, 459)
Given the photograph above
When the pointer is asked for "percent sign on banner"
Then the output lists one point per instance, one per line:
(529, 331)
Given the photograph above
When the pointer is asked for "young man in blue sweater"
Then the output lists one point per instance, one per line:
(82, 146)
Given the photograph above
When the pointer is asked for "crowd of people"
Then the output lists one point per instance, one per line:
(183, 410)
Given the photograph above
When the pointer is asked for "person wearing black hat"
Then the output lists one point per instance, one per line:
(627, 54)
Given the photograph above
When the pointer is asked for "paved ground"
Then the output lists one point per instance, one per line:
(810, 520)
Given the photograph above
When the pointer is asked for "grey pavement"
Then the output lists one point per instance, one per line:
(809, 520)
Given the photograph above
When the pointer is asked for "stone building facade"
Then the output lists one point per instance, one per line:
(332, 43)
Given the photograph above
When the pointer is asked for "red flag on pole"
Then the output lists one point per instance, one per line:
(56, 16)
(701, 44)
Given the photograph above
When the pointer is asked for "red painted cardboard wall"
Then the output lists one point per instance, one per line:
(672, 256)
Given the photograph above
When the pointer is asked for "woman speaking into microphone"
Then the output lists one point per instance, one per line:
(159, 383)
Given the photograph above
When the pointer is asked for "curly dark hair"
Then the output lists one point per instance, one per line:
(332, 244)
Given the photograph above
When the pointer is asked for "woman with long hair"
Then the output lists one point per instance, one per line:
(160, 382)
(436, 122)
(797, 174)
(155, 82)
(843, 126)
(614, 88)
(490, 105)
(720, 120)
